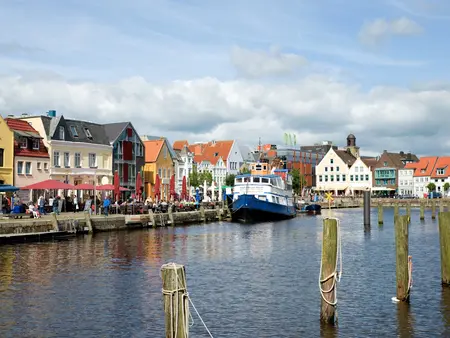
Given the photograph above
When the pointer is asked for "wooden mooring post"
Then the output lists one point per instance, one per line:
(441, 206)
(402, 260)
(422, 211)
(433, 209)
(444, 239)
(380, 213)
(176, 306)
(395, 209)
(328, 271)
(408, 209)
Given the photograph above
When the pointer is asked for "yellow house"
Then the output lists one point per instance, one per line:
(80, 151)
(6, 154)
(159, 161)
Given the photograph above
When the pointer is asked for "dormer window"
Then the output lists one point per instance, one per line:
(74, 131)
(88, 133)
(36, 144)
(440, 171)
(423, 171)
(62, 133)
(24, 143)
(216, 154)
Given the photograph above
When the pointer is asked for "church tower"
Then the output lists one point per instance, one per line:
(351, 146)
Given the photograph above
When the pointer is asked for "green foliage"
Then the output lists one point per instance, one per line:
(229, 180)
(206, 175)
(446, 186)
(298, 181)
(245, 170)
(194, 178)
(431, 187)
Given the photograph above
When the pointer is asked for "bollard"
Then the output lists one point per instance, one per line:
(402, 260)
(171, 218)
(202, 213)
(433, 209)
(380, 213)
(422, 211)
(444, 241)
(54, 222)
(367, 208)
(408, 209)
(176, 303)
(328, 277)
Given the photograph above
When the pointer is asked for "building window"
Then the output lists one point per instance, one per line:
(440, 172)
(361, 177)
(92, 160)
(39, 166)
(326, 168)
(77, 160)
(74, 131)
(66, 160)
(385, 163)
(367, 177)
(343, 178)
(164, 173)
(320, 178)
(88, 133)
(2, 152)
(331, 168)
(331, 161)
(351, 177)
(337, 168)
(56, 159)
(160, 172)
(20, 167)
(337, 178)
(326, 178)
(24, 143)
(46, 166)
(62, 134)
(36, 144)
(332, 178)
(27, 168)
(356, 177)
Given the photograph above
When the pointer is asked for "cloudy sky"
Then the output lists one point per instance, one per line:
(242, 69)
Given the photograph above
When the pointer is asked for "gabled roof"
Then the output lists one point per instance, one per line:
(425, 166)
(152, 149)
(22, 128)
(212, 151)
(369, 161)
(113, 130)
(398, 158)
(21, 125)
(348, 158)
(178, 145)
(442, 163)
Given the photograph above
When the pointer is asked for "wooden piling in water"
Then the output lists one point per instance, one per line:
(202, 213)
(176, 306)
(401, 249)
(422, 211)
(408, 209)
(441, 206)
(87, 217)
(328, 268)
(433, 209)
(380, 213)
(395, 209)
(444, 240)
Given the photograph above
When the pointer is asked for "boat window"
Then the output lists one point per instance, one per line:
(256, 179)
(246, 179)
(253, 167)
(238, 180)
(258, 167)
(264, 180)
(265, 167)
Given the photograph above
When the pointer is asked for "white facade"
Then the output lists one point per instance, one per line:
(183, 167)
(406, 182)
(360, 177)
(420, 185)
(332, 173)
(234, 161)
(218, 171)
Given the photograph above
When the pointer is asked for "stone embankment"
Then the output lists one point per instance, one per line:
(52, 226)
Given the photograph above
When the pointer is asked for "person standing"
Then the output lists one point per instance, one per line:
(41, 204)
(75, 204)
(106, 204)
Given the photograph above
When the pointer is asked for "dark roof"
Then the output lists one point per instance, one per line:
(113, 130)
(369, 161)
(398, 158)
(351, 136)
(348, 158)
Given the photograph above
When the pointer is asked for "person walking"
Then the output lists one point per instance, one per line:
(41, 204)
(106, 204)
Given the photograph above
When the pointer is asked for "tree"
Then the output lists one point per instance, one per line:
(431, 187)
(194, 178)
(229, 180)
(298, 181)
(245, 170)
(206, 175)
(446, 186)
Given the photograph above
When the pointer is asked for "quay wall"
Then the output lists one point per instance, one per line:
(348, 202)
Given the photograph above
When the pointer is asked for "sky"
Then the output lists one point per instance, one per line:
(236, 69)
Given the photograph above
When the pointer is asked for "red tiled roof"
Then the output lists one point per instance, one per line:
(152, 149)
(425, 166)
(178, 145)
(21, 125)
(442, 163)
(212, 151)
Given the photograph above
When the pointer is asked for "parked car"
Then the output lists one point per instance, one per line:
(434, 194)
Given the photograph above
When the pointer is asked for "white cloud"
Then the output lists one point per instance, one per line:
(378, 30)
(315, 108)
(258, 63)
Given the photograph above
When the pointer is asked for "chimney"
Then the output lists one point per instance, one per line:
(51, 113)
(384, 151)
(402, 153)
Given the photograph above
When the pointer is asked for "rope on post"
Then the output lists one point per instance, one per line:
(336, 275)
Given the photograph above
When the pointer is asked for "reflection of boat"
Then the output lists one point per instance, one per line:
(263, 195)
(309, 208)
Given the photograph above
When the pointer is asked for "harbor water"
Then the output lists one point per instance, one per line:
(245, 280)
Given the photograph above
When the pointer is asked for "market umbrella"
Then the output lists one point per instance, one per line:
(110, 187)
(138, 186)
(172, 186)
(116, 185)
(47, 185)
(84, 186)
(184, 189)
(7, 188)
(157, 187)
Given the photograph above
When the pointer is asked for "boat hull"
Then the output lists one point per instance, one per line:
(249, 209)
(311, 209)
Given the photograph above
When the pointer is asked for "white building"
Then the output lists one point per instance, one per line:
(406, 180)
(183, 166)
(332, 173)
(422, 174)
(441, 174)
(360, 177)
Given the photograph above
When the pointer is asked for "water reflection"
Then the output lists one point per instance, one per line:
(405, 320)
(328, 331)
(445, 310)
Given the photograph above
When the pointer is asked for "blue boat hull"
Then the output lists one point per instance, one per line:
(311, 209)
(249, 209)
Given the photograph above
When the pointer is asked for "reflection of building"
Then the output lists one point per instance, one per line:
(159, 160)
(6, 154)
(128, 152)
(79, 150)
(31, 159)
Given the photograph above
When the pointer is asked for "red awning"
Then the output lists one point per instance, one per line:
(48, 184)
(110, 187)
(84, 187)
